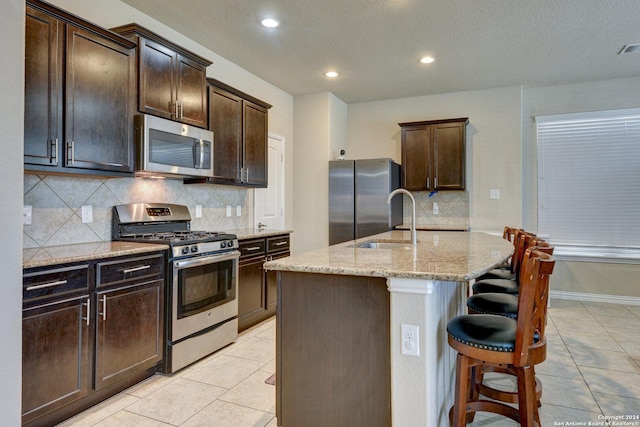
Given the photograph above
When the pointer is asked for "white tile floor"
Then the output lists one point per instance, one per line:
(592, 370)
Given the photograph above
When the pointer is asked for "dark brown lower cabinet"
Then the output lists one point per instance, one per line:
(55, 356)
(250, 291)
(128, 331)
(89, 330)
(257, 288)
(333, 360)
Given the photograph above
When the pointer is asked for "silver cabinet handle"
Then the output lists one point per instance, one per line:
(71, 158)
(284, 242)
(104, 308)
(253, 248)
(428, 182)
(88, 304)
(47, 285)
(134, 269)
(247, 175)
(435, 182)
(54, 151)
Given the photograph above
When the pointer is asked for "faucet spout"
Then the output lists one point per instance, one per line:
(414, 239)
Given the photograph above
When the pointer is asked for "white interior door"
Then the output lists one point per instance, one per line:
(269, 202)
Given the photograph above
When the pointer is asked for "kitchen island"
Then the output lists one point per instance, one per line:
(340, 310)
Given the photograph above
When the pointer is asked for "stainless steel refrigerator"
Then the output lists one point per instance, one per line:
(358, 191)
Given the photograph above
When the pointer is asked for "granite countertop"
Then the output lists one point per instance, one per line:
(51, 255)
(450, 256)
(254, 233)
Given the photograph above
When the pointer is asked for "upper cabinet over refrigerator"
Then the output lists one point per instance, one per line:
(358, 191)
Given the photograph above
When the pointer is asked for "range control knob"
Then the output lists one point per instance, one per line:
(223, 244)
(194, 249)
(185, 250)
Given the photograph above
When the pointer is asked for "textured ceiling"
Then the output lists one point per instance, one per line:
(376, 44)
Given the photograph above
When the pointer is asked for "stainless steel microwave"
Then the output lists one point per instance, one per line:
(167, 148)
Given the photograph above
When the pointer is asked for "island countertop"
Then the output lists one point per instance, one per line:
(447, 256)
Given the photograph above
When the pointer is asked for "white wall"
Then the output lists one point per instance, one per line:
(11, 146)
(493, 144)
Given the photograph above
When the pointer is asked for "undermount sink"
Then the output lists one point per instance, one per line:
(383, 244)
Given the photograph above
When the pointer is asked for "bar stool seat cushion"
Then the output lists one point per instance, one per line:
(498, 273)
(496, 286)
(484, 331)
(494, 303)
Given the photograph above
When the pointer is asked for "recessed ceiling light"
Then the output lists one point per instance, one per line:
(630, 48)
(331, 74)
(269, 22)
(427, 60)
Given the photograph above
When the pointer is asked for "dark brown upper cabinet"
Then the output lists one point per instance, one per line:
(171, 80)
(79, 95)
(240, 127)
(433, 154)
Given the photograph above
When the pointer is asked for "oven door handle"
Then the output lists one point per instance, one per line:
(195, 262)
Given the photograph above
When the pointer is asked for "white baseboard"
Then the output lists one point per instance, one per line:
(610, 299)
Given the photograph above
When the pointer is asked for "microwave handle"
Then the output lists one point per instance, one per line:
(201, 142)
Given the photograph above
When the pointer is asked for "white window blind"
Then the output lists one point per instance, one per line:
(589, 180)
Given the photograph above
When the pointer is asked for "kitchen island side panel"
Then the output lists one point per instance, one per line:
(333, 351)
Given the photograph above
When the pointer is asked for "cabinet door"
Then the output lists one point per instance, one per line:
(416, 158)
(225, 120)
(129, 331)
(100, 82)
(157, 80)
(192, 92)
(449, 156)
(55, 356)
(255, 144)
(271, 285)
(44, 44)
(251, 292)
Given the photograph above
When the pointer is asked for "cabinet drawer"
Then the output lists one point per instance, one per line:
(123, 270)
(278, 243)
(253, 247)
(38, 285)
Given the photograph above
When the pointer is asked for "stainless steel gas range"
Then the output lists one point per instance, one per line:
(201, 307)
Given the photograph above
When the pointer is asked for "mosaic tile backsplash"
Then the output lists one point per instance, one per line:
(453, 207)
(56, 203)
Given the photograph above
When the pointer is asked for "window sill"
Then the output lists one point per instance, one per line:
(597, 254)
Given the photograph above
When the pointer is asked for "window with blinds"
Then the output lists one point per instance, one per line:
(589, 181)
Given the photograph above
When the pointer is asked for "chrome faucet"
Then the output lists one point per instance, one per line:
(414, 239)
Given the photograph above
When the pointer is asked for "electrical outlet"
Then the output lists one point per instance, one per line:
(87, 214)
(494, 194)
(27, 215)
(436, 210)
(228, 211)
(198, 211)
(410, 340)
(238, 210)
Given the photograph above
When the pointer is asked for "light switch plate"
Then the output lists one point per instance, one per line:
(494, 194)
(238, 210)
(228, 211)
(198, 211)
(87, 214)
(27, 215)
